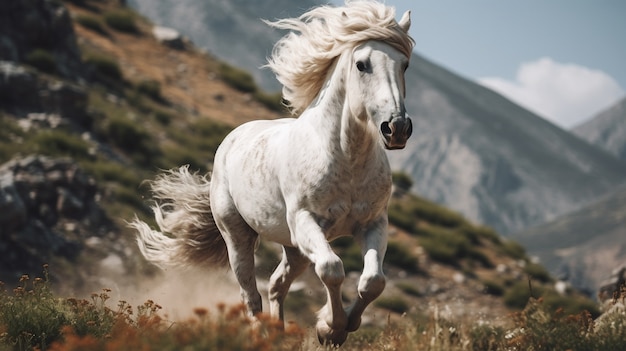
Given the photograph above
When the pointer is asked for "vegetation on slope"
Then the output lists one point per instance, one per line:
(32, 317)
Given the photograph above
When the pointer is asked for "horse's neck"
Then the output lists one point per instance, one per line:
(347, 134)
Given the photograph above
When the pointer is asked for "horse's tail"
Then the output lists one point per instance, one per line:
(188, 235)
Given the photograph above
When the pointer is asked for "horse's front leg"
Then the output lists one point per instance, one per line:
(310, 239)
(372, 281)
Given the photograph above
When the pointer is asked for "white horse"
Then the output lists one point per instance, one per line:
(302, 182)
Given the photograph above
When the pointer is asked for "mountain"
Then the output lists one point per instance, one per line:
(472, 149)
(231, 30)
(607, 129)
(584, 246)
(493, 160)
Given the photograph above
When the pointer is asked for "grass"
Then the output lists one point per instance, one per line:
(32, 317)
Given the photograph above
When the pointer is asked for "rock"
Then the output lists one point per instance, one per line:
(25, 93)
(613, 285)
(30, 25)
(47, 209)
(169, 37)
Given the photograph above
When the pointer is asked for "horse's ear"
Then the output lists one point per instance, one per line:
(405, 21)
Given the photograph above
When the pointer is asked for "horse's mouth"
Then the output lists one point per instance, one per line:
(396, 132)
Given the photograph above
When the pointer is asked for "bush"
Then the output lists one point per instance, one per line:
(400, 256)
(394, 304)
(446, 246)
(123, 21)
(59, 143)
(92, 23)
(106, 68)
(493, 287)
(538, 272)
(42, 60)
(401, 218)
(402, 180)
(237, 78)
(150, 88)
(409, 289)
(273, 102)
(513, 250)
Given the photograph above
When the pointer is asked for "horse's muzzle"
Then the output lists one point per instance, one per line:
(396, 132)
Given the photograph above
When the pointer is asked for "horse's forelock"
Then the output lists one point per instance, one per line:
(301, 59)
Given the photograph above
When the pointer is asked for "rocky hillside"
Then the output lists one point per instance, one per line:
(472, 150)
(585, 246)
(135, 105)
(607, 129)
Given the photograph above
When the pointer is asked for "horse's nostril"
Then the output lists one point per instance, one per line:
(409, 129)
(384, 127)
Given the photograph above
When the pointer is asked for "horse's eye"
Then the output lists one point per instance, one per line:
(361, 66)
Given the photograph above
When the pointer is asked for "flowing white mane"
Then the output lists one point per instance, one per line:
(301, 59)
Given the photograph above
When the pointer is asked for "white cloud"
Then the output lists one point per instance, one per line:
(565, 94)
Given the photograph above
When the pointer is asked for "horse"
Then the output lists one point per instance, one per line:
(302, 181)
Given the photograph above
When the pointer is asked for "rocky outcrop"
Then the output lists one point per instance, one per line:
(170, 37)
(48, 209)
(613, 287)
(24, 91)
(28, 26)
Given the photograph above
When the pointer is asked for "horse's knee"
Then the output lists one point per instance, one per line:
(371, 286)
(331, 271)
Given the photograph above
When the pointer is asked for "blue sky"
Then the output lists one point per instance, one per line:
(563, 59)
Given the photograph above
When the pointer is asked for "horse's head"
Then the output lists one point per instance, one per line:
(377, 89)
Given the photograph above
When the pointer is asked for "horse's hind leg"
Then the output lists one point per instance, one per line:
(290, 267)
(241, 241)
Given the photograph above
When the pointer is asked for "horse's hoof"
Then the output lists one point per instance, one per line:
(328, 336)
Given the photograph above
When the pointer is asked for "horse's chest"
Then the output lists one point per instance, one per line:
(350, 211)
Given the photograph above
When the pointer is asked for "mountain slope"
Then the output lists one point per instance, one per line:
(472, 149)
(583, 246)
(231, 30)
(496, 162)
(607, 129)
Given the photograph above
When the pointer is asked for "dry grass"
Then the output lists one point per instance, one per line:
(31, 318)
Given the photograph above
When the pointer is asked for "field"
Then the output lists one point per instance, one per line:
(33, 318)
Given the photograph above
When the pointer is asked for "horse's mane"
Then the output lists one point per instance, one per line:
(301, 59)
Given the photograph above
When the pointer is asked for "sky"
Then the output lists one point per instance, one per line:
(562, 59)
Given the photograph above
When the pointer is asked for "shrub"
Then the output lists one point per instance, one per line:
(402, 180)
(150, 88)
(59, 143)
(105, 67)
(513, 250)
(121, 20)
(401, 257)
(31, 317)
(395, 304)
(237, 78)
(446, 246)
(493, 287)
(537, 271)
(409, 289)
(92, 23)
(401, 218)
(42, 60)
(273, 102)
